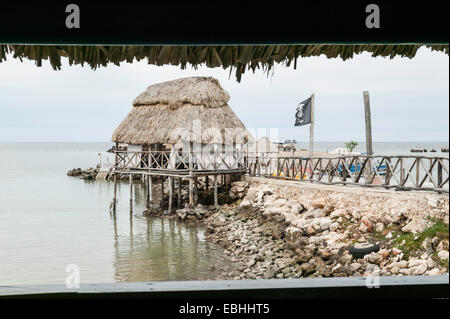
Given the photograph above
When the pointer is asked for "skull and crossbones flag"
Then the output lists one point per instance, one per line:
(303, 115)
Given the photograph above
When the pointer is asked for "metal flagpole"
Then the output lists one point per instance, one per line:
(311, 128)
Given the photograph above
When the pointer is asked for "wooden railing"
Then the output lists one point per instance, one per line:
(390, 171)
(396, 171)
(179, 161)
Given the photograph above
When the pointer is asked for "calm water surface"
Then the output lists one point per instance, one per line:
(49, 220)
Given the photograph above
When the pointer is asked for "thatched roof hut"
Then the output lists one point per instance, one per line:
(192, 109)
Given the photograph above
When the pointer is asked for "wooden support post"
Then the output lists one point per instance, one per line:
(150, 189)
(115, 191)
(216, 200)
(131, 189)
(195, 191)
(417, 171)
(162, 193)
(402, 173)
(170, 194)
(368, 121)
(207, 182)
(387, 177)
(439, 174)
(179, 192)
(368, 124)
(191, 181)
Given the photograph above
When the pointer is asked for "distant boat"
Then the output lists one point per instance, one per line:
(418, 150)
(433, 150)
(444, 149)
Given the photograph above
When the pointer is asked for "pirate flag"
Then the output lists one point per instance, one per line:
(303, 115)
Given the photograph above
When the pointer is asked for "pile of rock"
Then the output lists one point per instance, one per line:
(277, 232)
(238, 190)
(194, 214)
(87, 174)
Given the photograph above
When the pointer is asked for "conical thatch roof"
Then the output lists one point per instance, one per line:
(188, 109)
(194, 90)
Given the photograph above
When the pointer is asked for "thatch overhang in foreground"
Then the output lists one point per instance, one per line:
(190, 109)
(238, 58)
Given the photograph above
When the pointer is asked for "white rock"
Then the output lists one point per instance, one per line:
(245, 204)
(374, 258)
(405, 272)
(379, 227)
(402, 264)
(337, 213)
(297, 208)
(443, 255)
(433, 272)
(430, 263)
(334, 227)
(417, 262)
(336, 268)
(325, 223)
(355, 266)
(415, 226)
(356, 214)
(418, 270)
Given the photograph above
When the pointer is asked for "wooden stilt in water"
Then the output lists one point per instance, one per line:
(162, 193)
(207, 182)
(195, 191)
(170, 194)
(191, 182)
(150, 189)
(131, 190)
(179, 192)
(216, 200)
(115, 192)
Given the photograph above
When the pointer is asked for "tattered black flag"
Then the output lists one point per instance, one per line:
(303, 115)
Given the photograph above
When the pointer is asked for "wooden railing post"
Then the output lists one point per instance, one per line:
(417, 171)
(439, 174)
(387, 178)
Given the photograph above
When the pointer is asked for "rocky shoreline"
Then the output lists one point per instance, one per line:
(287, 232)
(86, 174)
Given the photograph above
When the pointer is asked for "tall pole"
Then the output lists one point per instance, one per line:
(368, 119)
(311, 128)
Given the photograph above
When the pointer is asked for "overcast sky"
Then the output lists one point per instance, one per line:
(409, 98)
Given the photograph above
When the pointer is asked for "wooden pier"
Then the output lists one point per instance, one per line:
(403, 172)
